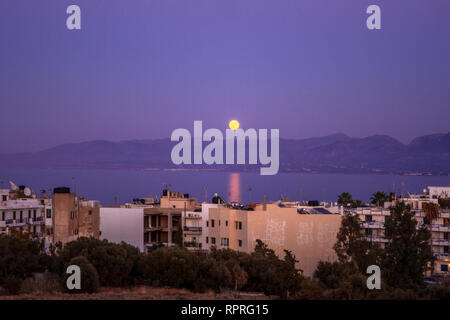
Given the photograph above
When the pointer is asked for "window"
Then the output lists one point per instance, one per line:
(49, 213)
(213, 240)
(368, 232)
(446, 249)
(226, 223)
(446, 235)
(4, 198)
(207, 224)
(444, 267)
(368, 218)
(3, 216)
(14, 215)
(238, 225)
(240, 243)
(206, 239)
(21, 216)
(212, 223)
(90, 211)
(224, 242)
(446, 221)
(34, 214)
(219, 222)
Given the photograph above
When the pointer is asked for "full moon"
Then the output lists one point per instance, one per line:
(234, 124)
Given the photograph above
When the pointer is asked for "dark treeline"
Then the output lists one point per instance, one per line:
(103, 263)
(25, 267)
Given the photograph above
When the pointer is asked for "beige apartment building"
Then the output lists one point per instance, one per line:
(310, 237)
(73, 217)
(163, 222)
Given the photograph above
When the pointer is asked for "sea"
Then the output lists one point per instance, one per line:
(113, 187)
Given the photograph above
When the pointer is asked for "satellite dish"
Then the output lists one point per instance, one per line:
(27, 192)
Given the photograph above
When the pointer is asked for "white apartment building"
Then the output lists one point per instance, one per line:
(21, 213)
(374, 218)
(196, 228)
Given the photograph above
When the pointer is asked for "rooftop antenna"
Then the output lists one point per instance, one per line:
(13, 186)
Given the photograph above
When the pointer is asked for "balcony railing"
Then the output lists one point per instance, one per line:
(441, 242)
(373, 224)
(192, 244)
(442, 255)
(193, 229)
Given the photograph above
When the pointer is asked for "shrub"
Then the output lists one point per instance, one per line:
(89, 276)
(41, 285)
(116, 264)
(12, 285)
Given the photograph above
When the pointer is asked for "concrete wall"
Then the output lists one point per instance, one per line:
(310, 237)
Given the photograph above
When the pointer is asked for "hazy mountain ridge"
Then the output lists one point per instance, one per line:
(428, 154)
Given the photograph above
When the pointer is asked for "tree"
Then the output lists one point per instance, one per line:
(330, 274)
(89, 276)
(178, 234)
(379, 198)
(352, 245)
(407, 252)
(345, 199)
(115, 263)
(20, 258)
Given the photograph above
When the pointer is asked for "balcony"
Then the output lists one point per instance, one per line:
(193, 216)
(377, 239)
(195, 230)
(441, 242)
(442, 255)
(192, 244)
(37, 221)
(373, 224)
(15, 223)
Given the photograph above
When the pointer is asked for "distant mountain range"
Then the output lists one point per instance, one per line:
(337, 153)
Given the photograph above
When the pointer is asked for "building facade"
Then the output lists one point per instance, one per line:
(310, 237)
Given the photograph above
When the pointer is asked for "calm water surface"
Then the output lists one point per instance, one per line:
(105, 185)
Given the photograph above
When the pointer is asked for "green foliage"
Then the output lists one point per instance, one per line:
(379, 198)
(89, 276)
(170, 266)
(440, 291)
(116, 264)
(19, 258)
(309, 290)
(352, 245)
(444, 203)
(331, 274)
(408, 252)
(12, 284)
(41, 285)
(345, 199)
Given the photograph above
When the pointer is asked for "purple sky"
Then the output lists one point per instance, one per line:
(140, 69)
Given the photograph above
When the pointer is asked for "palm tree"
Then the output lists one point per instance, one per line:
(379, 198)
(345, 199)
